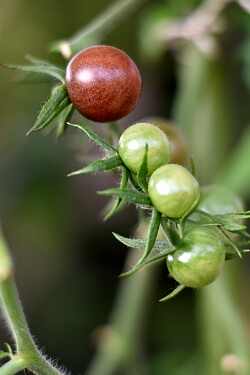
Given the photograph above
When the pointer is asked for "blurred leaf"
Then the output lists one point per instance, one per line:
(176, 291)
(230, 255)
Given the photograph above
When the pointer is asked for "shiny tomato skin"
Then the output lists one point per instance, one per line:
(103, 83)
(173, 190)
(132, 144)
(199, 259)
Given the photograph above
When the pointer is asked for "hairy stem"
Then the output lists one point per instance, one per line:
(27, 353)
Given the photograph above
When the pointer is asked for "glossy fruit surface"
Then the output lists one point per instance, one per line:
(179, 148)
(173, 190)
(132, 145)
(103, 83)
(199, 259)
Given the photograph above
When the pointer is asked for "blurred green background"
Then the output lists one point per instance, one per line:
(67, 261)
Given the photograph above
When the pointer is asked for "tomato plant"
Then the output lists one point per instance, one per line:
(173, 190)
(132, 145)
(103, 83)
(179, 149)
(198, 260)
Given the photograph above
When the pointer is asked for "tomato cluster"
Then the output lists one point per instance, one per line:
(104, 84)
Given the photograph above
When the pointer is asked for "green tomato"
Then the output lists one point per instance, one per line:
(199, 259)
(132, 145)
(173, 190)
(217, 199)
(179, 148)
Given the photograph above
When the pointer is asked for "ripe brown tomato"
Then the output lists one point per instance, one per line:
(103, 83)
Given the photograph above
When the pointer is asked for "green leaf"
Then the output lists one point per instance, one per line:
(100, 166)
(64, 117)
(140, 243)
(230, 225)
(143, 172)
(128, 195)
(150, 242)
(95, 138)
(234, 215)
(57, 102)
(31, 78)
(41, 62)
(221, 220)
(231, 242)
(123, 185)
(149, 260)
(243, 233)
(230, 255)
(40, 69)
(174, 293)
(152, 234)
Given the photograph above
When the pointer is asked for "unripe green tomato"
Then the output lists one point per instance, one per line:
(133, 142)
(199, 259)
(217, 199)
(179, 148)
(173, 190)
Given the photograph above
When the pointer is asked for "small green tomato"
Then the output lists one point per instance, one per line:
(199, 259)
(218, 199)
(132, 145)
(173, 190)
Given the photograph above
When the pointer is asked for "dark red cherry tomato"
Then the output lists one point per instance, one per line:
(103, 83)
